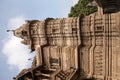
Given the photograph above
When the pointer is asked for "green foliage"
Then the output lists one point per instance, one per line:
(82, 8)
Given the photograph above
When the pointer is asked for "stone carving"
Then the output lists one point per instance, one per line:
(77, 48)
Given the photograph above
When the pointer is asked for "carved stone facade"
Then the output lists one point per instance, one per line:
(77, 48)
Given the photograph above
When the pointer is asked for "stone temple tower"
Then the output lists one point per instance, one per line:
(108, 6)
(76, 48)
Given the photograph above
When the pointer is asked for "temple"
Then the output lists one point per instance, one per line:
(109, 6)
(76, 48)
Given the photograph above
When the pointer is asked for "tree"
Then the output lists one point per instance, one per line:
(81, 8)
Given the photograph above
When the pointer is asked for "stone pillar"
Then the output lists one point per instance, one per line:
(38, 55)
(100, 10)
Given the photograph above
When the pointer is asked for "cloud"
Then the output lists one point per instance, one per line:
(74, 2)
(16, 21)
(17, 54)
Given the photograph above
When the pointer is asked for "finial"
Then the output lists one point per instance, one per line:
(10, 30)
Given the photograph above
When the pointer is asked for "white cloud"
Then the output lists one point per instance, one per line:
(16, 21)
(74, 2)
(17, 54)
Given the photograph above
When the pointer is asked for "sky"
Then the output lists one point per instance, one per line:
(13, 13)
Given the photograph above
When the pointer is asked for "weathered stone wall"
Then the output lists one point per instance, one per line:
(89, 44)
(75, 48)
(100, 45)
